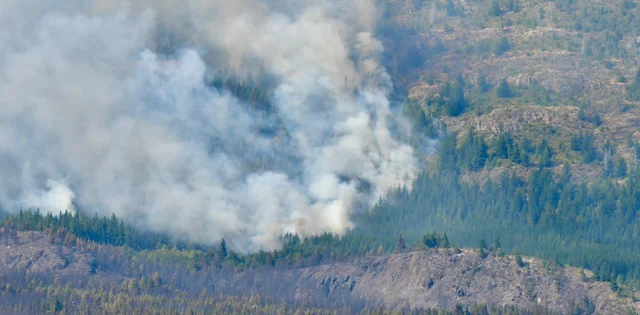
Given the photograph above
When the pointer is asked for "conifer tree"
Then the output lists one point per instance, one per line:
(503, 90)
(445, 241)
(400, 244)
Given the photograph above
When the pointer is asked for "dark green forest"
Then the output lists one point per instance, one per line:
(546, 215)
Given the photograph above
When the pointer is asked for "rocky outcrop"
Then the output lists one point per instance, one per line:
(517, 119)
(31, 252)
(442, 279)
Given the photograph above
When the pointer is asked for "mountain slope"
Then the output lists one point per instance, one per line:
(434, 279)
(571, 67)
(443, 279)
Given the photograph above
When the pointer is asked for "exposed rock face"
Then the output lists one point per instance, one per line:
(444, 279)
(31, 252)
(517, 119)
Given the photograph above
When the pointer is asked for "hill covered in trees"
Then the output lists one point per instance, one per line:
(63, 273)
(535, 107)
(563, 71)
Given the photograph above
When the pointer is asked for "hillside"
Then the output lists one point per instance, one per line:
(443, 279)
(320, 157)
(570, 68)
(422, 280)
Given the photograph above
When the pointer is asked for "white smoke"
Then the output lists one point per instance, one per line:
(57, 196)
(92, 116)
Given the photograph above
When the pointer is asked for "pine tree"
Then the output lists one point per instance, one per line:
(518, 258)
(500, 46)
(544, 154)
(482, 83)
(482, 248)
(621, 168)
(609, 168)
(494, 9)
(221, 253)
(454, 101)
(445, 241)
(400, 244)
(496, 243)
(633, 90)
(502, 146)
(503, 90)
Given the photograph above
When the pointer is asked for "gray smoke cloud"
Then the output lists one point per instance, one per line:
(94, 115)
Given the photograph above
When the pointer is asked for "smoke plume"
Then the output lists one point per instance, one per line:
(106, 107)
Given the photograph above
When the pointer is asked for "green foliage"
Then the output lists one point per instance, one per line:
(544, 154)
(500, 46)
(400, 244)
(496, 243)
(454, 100)
(483, 244)
(482, 84)
(434, 240)
(503, 145)
(448, 157)
(536, 94)
(450, 8)
(482, 248)
(222, 250)
(545, 214)
(621, 168)
(584, 143)
(421, 123)
(473, 151)
(494, 9)
(518, 258)
(503, 90)
(594, 118)
(451, 98)
(633, 90)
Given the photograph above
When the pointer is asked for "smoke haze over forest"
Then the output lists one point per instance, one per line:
(106, 107)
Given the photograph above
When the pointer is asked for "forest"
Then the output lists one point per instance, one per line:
(557, 180)
(546, 215)
(192, 280)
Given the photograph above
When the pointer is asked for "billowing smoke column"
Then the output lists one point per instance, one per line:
(94, 116)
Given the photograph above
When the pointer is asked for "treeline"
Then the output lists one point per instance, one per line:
(547, 214)
(103, 230)
(76, 229)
